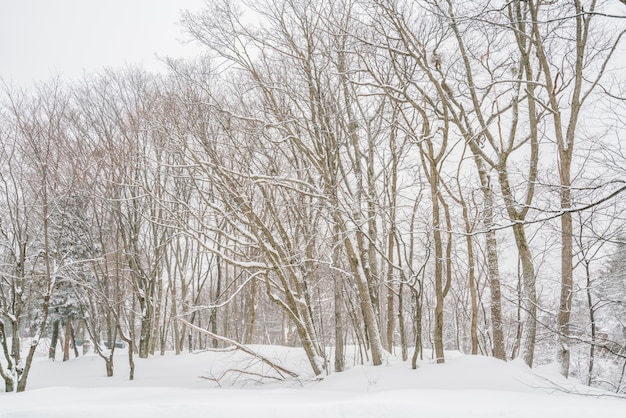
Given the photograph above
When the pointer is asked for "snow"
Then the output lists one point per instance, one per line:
(166, 386)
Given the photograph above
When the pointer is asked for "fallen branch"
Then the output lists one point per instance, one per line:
(591, 392)
(215, 350)
(281, 370)
(225, 372)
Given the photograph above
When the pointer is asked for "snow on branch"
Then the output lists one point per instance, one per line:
(558, 213)
(227, 301)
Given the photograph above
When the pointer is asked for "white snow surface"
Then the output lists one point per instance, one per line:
(173, 386)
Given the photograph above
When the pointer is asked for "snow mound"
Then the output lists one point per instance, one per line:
(468, 386)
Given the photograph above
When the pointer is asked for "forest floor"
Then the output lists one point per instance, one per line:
(185, 386)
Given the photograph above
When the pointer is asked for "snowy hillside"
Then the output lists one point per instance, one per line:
(177, 386)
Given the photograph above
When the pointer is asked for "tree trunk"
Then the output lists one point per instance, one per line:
(68, 337)
(390, 311)
(493, 268)
(565, 144)
(249, 313)
(367, 306)
(439, 286)
(473, 297)
(73, 335)
(417, 353)
(218, 292)
(146, 304)
(340, 358)
(471, 273)
(9, 385)
(145, 335)
(109, 366)
(9, 382)
(401, 325)
(131, 363)
(54, 339)
(592, 324)
(567, 281)
(529, 301)
(157, 302)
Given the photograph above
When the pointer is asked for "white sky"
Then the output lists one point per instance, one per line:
(42, 38)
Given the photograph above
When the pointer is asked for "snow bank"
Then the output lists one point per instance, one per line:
(468, 386)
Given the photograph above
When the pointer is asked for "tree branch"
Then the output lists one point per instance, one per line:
(281, 370)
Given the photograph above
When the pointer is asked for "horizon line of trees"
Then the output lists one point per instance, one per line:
(399, 176)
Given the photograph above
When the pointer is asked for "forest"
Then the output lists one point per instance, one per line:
(387, 176)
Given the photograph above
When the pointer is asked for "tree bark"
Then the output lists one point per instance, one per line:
(54, 339)
(340, 358)
(529, 302)
(493, 268)
(68, 338)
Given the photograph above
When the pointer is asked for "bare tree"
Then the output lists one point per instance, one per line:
(575, 79)
(310, 123)
(32, 183)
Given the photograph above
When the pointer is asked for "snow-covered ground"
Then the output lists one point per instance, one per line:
(177, 386)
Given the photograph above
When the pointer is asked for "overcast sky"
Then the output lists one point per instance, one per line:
(41, 38)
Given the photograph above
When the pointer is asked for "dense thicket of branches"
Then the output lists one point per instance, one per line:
(396, 176)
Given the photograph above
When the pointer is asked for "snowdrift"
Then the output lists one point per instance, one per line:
(185, 386)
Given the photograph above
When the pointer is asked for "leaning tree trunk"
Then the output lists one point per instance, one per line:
(367, 305)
